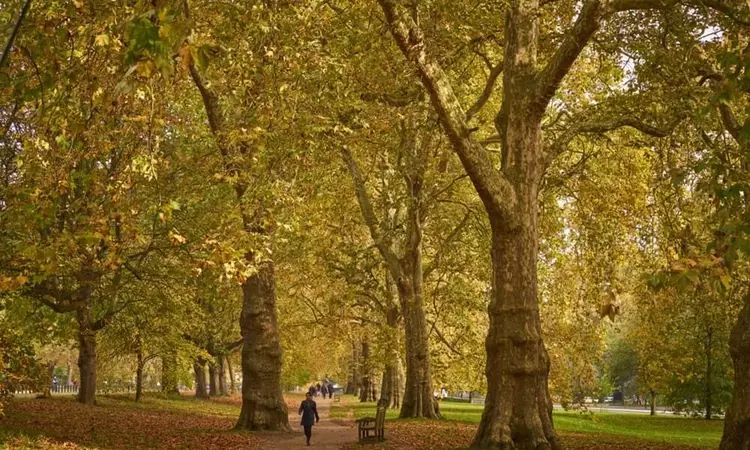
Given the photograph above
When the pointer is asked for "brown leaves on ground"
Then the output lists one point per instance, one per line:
(120, 426)
(443, 435)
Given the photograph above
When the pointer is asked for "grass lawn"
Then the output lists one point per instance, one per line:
(617, 428)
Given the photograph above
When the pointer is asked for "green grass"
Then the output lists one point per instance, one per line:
(667, 429)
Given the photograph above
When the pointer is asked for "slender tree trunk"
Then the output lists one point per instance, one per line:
(199, 367)
(86, 356)
(737, 421)
(222, 377)
(263, 406)
(390, 388)
(652, 394)
(139, 376)
(232, 387)
(169, 374)
(709, 372)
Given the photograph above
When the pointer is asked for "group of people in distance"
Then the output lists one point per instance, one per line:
(326, 389)
(308, 409)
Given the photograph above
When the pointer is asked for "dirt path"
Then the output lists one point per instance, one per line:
(327, 434)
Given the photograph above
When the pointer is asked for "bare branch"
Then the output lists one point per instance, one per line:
(445, 244)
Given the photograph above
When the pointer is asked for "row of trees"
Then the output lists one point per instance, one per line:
(163, 160)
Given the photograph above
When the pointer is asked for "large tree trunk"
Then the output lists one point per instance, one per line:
(418, 392)
(263, 407)
(169, 374)
(737, 421)
(518, 408)
(86, 356)
(222, 377)
(199, 367)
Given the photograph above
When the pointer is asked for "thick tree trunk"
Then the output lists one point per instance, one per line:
(232, 387)
(199, 367)
(169, 374)
(418, 392)
(222, 377)
(652, 394)
(86, 356)
(737, 421)
(518, 408)
(263, 407)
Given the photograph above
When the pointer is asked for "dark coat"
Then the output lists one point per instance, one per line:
(309, 411)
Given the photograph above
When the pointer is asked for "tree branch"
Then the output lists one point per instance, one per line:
(486, 93)
(443, 245)
(494, 190)
(368, 214)
(549, 79)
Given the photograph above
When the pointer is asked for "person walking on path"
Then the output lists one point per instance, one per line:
(330, 391)
(324, 390)
(309, 412)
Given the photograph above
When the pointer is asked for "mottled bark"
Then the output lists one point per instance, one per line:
(86, 356)
(737, 421)
(199, 368)
(263, 406)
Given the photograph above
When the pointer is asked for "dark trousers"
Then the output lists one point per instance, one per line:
(308, 432)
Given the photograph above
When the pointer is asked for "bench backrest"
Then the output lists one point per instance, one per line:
(380, 418)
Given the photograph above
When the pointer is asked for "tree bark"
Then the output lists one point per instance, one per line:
(391, 387)
(213, 380)
(139, 375)
(709, 372)
(199, 367)
(366, 391)
(232, 387)
(222, 377)
(86, 356)
(652, 394)
(737, 421)
(352, 385)
(263, 406)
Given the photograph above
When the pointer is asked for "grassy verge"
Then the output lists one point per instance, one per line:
(664, 429)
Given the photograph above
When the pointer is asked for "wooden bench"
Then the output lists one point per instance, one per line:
(372, 429)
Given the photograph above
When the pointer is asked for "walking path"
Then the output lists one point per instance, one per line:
(328, 434)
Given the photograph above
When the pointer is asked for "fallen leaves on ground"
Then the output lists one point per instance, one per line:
(63, 423)
(444, 435)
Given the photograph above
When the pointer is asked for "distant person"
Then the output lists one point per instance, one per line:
(311, 391)
(330, 391)
(54, 384)
(317, 389)
(309, 412)
(324, 390)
